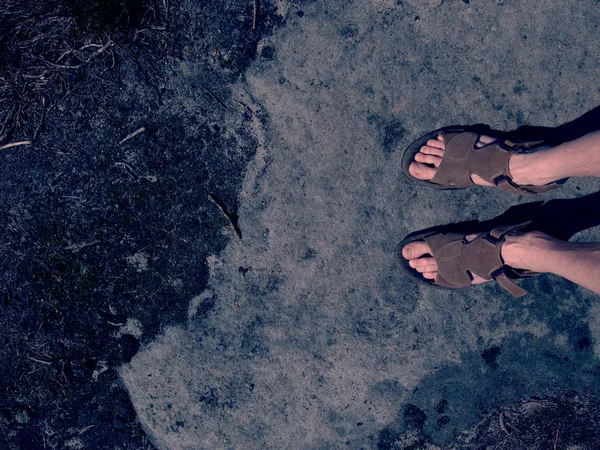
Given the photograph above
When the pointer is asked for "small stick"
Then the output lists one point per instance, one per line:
(63, 55)
(556, 440)
(86, 428)
(90, 45)
(40, 360)
(215, 98)
(132, 135)
(128, 170)
(255, 18)
(14, 144)
(233, 219)
(82, 246)
(103, 48)
(502, 426)
(264, 169)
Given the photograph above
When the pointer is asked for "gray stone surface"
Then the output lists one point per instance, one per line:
(314, 340)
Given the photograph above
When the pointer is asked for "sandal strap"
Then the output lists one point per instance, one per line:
(500, 276)
(503, 230)
(454, 167)
(508, 285)
(507, 184)
(458, 260)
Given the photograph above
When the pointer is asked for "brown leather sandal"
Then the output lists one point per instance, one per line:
(458, 259)
(462, 159)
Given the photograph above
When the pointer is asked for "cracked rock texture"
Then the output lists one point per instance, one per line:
(307, 336)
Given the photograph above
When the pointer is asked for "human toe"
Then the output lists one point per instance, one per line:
(430, 150)
(416, 249)
(428, 159)
(419, 258)
(436, 143)
(423, 264)
(421, 171)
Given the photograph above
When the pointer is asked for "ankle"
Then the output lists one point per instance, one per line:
(532, 169)
(530, 251)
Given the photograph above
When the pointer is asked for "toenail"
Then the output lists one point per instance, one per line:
(407, 252)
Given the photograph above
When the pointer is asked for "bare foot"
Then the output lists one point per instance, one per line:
(420, 258)
(522, 166)
(520, 251)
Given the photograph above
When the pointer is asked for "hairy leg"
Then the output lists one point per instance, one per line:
(537, 251)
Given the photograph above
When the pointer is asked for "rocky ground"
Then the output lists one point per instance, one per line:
(224, 278)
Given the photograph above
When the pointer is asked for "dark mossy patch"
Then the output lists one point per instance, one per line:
(490, 355)
(413, 416)
(104, 244)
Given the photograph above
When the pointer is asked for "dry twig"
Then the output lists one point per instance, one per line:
(86, 428)
(77, 249)
(103, 48)
(502, 425)
(233, 218)
(255, 17)
(14, 144)
(40, 359)
(215, 98)
(132, 135)
(127, 169)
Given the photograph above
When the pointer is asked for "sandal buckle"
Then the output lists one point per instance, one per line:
(501, 178)
(504, 146)
(498, 271)
(504, 178)
(491, 239)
